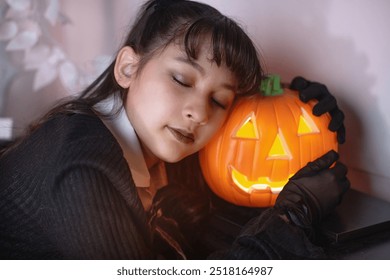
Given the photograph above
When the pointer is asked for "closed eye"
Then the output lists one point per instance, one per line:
(219, 104)
(180, 82)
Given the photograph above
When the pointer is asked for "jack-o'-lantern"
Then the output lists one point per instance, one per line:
(267, 138)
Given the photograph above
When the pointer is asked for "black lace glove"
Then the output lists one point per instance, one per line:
(314, 191)
(326, 103)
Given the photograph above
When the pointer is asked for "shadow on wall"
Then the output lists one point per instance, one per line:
(296, 40)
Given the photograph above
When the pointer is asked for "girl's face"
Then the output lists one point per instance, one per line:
(176, 105)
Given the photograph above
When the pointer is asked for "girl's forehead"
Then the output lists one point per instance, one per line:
(178, 49)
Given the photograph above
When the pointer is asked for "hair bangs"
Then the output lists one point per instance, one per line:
(230, 46)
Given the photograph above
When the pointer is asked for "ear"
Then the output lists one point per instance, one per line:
(125, 66)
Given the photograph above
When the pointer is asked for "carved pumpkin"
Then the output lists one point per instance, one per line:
(265, 140)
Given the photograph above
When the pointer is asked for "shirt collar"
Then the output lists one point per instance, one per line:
(123, 131)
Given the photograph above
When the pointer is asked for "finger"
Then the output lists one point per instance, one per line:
(313, 91)
(337, 120)
(317, 165)
(325, 161)
(340, 170)
(346, 185)
(299, 83)
(341, 135)
(326, 104)
(336, 124)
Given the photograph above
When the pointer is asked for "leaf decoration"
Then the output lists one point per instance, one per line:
(35, 56)
(19, 5)
(45, 75)
(8, 30)
(22, 41)
(51, 13)
(68, 75)
(25, 27)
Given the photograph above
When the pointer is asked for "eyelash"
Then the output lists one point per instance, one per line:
(176, 80)
(216, 102)
(213, 100)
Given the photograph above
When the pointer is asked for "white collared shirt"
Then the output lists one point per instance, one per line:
(147, 181)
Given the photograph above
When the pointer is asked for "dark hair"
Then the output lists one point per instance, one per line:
(189, 23)
(178, 218)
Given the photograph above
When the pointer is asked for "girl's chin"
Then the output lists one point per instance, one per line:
(172, 152)
(174, 156)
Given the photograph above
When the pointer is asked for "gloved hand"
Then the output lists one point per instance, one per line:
(314, 191)
(326, 103)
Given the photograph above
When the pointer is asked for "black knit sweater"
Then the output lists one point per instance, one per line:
(66, 192)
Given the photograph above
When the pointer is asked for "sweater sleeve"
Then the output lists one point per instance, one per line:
(69, 194)
(95, 211)
(91, 220)
(270, 236)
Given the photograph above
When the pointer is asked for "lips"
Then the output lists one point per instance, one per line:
(182, 135)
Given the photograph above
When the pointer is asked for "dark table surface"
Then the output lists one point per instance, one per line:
(359, 229)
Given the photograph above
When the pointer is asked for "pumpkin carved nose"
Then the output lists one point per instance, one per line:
(279, 148)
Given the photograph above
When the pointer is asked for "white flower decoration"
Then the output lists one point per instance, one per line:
(25, 28)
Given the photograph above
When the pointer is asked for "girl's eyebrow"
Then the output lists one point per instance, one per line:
(198, 67)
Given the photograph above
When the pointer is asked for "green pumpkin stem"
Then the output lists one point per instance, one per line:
(271, 86)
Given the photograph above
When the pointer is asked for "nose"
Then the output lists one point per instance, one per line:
(197, 112)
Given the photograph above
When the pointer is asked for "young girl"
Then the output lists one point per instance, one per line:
(82, 184)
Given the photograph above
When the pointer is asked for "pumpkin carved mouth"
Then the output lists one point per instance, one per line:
(262, 184)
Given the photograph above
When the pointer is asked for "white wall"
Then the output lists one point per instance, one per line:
(343, 44)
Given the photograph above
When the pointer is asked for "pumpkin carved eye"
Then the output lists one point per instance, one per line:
(248, 128)
(306, 124)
